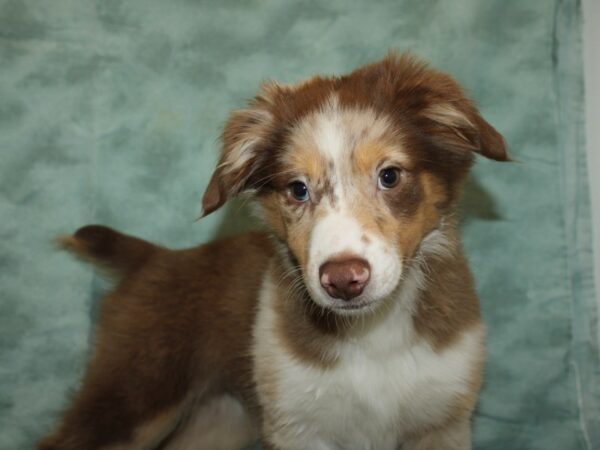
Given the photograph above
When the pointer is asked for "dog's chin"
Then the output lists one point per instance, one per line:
(365, 303)
(353, 308)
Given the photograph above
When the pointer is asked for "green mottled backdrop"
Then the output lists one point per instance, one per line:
(110, 112)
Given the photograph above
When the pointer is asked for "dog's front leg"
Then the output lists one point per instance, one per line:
(454, 436)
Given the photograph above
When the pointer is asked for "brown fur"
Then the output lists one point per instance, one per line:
(165, 332)
(451, 304)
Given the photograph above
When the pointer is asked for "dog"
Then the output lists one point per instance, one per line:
(351, 323)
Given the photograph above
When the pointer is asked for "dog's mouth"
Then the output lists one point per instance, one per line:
(340, 305)
(361, 304)
(351, 307)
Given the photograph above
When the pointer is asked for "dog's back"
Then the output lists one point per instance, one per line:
(169, 311)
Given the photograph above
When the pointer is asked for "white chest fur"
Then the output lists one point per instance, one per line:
(385, 383)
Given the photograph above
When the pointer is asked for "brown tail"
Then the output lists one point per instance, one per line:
(117, 253)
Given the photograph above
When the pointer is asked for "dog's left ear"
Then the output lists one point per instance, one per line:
(245, 147)
(445, 114)
(458, 126)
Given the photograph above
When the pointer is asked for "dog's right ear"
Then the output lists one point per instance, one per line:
(246, 140)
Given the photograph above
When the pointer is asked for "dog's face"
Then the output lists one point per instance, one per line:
(353, 173)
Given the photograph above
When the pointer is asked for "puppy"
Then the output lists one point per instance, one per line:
(353, 323)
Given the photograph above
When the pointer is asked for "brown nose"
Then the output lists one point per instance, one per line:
(345, 278)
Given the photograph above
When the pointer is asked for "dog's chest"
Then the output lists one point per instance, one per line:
(359, 404)
(380, 388)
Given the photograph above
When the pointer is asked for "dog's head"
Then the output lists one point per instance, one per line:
(352, 173)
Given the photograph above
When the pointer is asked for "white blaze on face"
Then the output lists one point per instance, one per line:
(335, 132)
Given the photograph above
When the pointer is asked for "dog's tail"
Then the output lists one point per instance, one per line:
(117, 253)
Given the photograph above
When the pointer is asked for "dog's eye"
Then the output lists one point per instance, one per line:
(299, 191)
(388, 178)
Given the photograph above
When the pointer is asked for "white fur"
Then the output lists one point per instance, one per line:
(447, 114)
(240, 155)
(338, 233)
(334, 131)
(386, 383)
(244, 149)
(329, 133)
(220, 424)
(434, 245)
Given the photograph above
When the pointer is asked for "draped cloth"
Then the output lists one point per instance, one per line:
(110, 113)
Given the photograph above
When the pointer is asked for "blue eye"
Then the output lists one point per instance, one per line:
(299, 191)
(388, 178)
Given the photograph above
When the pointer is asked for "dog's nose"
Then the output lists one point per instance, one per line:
(345, 278)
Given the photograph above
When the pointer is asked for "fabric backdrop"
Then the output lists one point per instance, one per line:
(110, 112)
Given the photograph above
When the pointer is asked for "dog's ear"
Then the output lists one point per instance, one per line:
(436, 101)
(246, 145)
(457, 125)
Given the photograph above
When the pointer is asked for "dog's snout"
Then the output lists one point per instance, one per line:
(345, 278)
